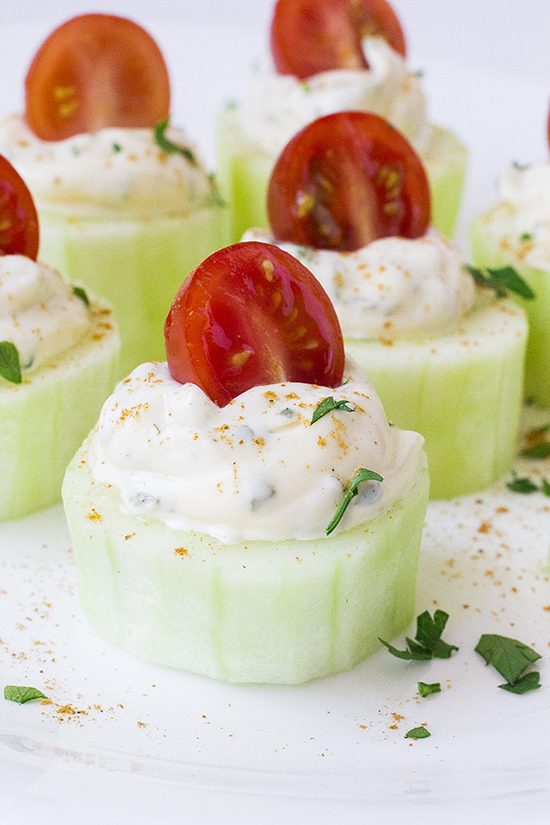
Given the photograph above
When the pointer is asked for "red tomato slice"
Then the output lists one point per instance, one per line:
(95, 71)
(18, 218)
(346, 180)
(251, 315)
(312, 36)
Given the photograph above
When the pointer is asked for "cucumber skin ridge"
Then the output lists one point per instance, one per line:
(44, 419)
(136, 264)
(493, 246)
(254, 612)
(463, 392)
(244, 171)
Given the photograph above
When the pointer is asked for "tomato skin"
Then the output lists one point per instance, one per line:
(251, 315)
(96, 71)
(346, 180)
(19, 233)
(313, 36)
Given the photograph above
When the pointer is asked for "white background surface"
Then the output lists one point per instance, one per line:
(324, 752)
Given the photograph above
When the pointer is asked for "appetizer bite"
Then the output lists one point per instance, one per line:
(516, 232)
(125, 203)
(244, 510)
(59, 352)
(329, 56)
(349, 197)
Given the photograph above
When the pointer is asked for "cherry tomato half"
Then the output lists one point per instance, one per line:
(250, 315)
(95, 71)
(312, 36)
(346, 180)
(18, 218)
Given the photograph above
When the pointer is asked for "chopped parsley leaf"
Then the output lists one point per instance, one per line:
(360, 476)
(502, 280)
(510, 658)
(418, 733)
(10, 365)
(428, 644)
(541, 450)
(328, 405)
(22, 694)
(522, 485)
(426, 689)
(169, 146)
(82, 294)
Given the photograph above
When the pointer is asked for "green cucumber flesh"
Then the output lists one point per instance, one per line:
(44, 420)
(462, 392)
(276, 612)
(494, 245)
(137, 265)
(244, 171)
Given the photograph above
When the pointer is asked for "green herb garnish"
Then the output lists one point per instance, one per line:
(545, 486)
(169, 146)
(360, 476)
(328, 405)
(10, 365)
(428, 644)
(502, 280)
(541, 450)
(522, 485)
(22, 694)
(426, 689)
(526, 236)
(117, 147)
(287, 412)
(418, 733)
(82, 294)
(510, 658)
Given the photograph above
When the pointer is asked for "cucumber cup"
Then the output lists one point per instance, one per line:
(277, 612)
(244, 170)
(44, 419)
(462, 391)
(496, 242)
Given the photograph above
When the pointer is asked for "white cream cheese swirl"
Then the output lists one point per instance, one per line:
(256, 468)
(114, 171)
(39, 312)
(393, 287)
(525, 193)
(277, 106)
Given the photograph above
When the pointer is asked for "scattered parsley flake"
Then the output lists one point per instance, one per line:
(22, 694)
(426, 689)
(541, 450)
(82, 294)
(531, 681)
(524, 486)
(169, 146)
(526, 236)
(545, 486)
(360, 476)
(418, 733)
(502, 280)
(10, 365)
(117, 147)
(287, 412)
(510, 658)
(428, 644)
(521, 166)
(328, 405)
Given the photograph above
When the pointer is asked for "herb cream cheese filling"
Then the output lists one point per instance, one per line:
(256, 468)
(112, 172)
(525, 194)
(39, 312)
(393, 287)
(277, 106)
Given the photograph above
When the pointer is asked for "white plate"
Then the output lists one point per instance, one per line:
(127, 742)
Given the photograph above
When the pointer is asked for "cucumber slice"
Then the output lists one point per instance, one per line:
(44, 419)
(244, 171)
(462, 392)
(495, 243)
(253, 612)
(136, 264)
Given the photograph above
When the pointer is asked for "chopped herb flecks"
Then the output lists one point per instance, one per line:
(426, 689)
(428, 644)
(360, 476)
(82, 294)
(502, 280)
(169, 146)
(10, 365)
(510, 658)
(418, 733)
(328, 405)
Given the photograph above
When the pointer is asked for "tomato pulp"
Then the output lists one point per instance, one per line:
(346, 180)
(95, 71)
(312, 36)
(250, 315)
